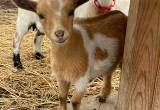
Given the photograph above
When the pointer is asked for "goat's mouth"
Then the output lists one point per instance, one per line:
(60, 41)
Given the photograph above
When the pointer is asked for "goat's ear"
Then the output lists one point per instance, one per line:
(26, 4)
(79, 2)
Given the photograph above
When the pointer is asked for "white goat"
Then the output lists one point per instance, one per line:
(89, 9)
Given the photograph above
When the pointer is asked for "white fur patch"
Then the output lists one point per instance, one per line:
(34, 0)
(61, 4)
(24, 20)
(104, 3)
(106, 44)
(48, 2)
(88, 44)
(82, 83)
(95, 67)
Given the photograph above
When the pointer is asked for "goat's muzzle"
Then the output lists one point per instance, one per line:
(60, 36)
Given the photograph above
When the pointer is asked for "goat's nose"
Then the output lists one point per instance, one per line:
(59, 33)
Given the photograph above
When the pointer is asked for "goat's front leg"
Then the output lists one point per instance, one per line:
(76, 99)
(106, 88)
(80, 88)
(63, 92)
(37, 45)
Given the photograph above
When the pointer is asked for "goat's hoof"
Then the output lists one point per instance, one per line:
(101, 99)
(38, 56)
(17, 62)
(19, 66)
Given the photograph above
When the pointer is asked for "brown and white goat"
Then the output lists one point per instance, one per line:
(82, 48)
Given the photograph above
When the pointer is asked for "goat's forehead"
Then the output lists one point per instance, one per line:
(56, 5)
(52, 2)
(49, 5)
(60, 3)
(56, 2)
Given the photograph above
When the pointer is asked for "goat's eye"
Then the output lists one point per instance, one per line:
(41, 16)
(71, 13)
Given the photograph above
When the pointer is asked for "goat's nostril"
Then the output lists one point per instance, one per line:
(59, 33)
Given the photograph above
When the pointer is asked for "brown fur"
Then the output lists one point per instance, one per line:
(26, 4)
(100, 54)
(70, 62)
(63, 92)
(76, 56)
(114, 23)
(79, 2)
(106, 24)
(106, 88)
(76, 100)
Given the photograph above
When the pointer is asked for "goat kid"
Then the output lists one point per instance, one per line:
(82, 48)
(28, 19)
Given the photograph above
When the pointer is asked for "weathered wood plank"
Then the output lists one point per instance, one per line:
(140, 82)
(156, 98)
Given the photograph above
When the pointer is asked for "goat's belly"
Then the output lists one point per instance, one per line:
(106, 52)
(102, 67)
(98, 68)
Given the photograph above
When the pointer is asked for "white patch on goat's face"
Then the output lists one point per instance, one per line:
(48, 2)
(34, 0)
(58, 13)
(61, 4)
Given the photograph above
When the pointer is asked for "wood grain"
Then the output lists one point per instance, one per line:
(140, 79)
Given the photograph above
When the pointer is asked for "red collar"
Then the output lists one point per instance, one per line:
(104, 9)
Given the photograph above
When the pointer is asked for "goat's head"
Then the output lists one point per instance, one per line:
(56, 16)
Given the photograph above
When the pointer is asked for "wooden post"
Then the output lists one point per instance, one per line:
(140, 78)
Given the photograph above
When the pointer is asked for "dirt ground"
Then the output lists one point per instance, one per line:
(32, 88)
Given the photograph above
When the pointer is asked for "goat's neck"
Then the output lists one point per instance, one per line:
(74, 47)
(70, 60)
